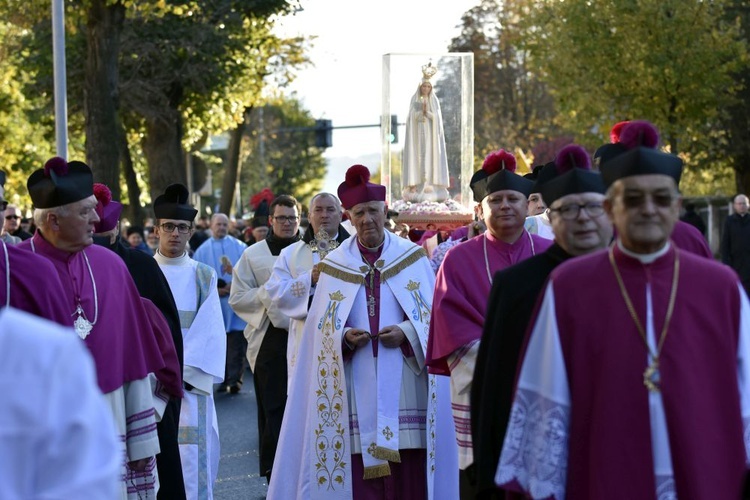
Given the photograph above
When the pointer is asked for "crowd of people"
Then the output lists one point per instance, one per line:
(576, 340)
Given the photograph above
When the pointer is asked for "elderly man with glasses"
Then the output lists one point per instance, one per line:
(267, 327)
(5, 236)
(12, 224)
(194, 286)
(636, 377)
(575, 196)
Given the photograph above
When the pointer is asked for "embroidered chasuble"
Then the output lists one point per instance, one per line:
(342, 404)
(462, 287)
(193, 285)
(581, 396)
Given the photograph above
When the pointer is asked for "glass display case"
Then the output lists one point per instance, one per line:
(427, 136)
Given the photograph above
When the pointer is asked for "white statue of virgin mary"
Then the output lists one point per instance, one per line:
(425, 163)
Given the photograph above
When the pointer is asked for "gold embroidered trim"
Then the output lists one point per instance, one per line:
(386, 454)
(403, 264)
(330, 435)
(337, 273)
(377, 471)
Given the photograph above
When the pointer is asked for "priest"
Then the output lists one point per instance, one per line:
(364, 417)
(267, 328)
(194, 287)
(463, 284)
(575, 197)
(645, 392)
(152, 286)
(296, 271)
(114, 326)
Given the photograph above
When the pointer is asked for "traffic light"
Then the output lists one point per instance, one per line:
(323, 134)
(394, 129)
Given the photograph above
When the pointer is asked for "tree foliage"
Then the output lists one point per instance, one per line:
(736, 115)
(669, 61)
(182, 71)
(512, 106)
(279, 152)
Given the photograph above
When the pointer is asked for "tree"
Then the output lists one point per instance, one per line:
(280, 156)
(736, 116)
(192, 72)
(171, 73)
(671, 62)
(24, 135)
(512, 106)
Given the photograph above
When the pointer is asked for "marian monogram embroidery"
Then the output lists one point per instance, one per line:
(330, 434)
(421, 311)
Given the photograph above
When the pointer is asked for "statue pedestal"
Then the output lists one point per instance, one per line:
(447, 215)
(425, 192)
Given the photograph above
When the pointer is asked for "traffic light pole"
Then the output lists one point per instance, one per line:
(323, 129)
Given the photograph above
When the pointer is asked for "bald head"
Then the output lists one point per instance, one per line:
(740, 204)
(325, 213)
(219, 225)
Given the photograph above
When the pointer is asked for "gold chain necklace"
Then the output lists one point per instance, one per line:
(651, 375)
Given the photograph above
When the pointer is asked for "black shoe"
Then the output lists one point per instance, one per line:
(222, 389)
(235, 389)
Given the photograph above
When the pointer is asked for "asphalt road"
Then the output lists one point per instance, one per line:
(238, 477)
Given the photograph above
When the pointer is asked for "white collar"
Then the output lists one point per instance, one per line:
(645, 258)
(172, 261)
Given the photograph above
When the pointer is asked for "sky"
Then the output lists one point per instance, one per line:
(344, 85)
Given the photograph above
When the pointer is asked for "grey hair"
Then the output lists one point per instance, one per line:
(40, 214)
(330, 195)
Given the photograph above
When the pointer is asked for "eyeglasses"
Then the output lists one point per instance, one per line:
(572, 210)
(281, 219)
(12, 217)
(181, 228)
(634, 200)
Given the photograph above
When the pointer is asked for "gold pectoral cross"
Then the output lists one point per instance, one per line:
(371, 305)
(651, 376)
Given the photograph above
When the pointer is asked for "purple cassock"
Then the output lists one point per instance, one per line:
(462, 287)
(687, 237)
(34, 285)
(122, 341)
(583, 423)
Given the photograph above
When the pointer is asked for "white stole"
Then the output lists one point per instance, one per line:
(375, 379)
